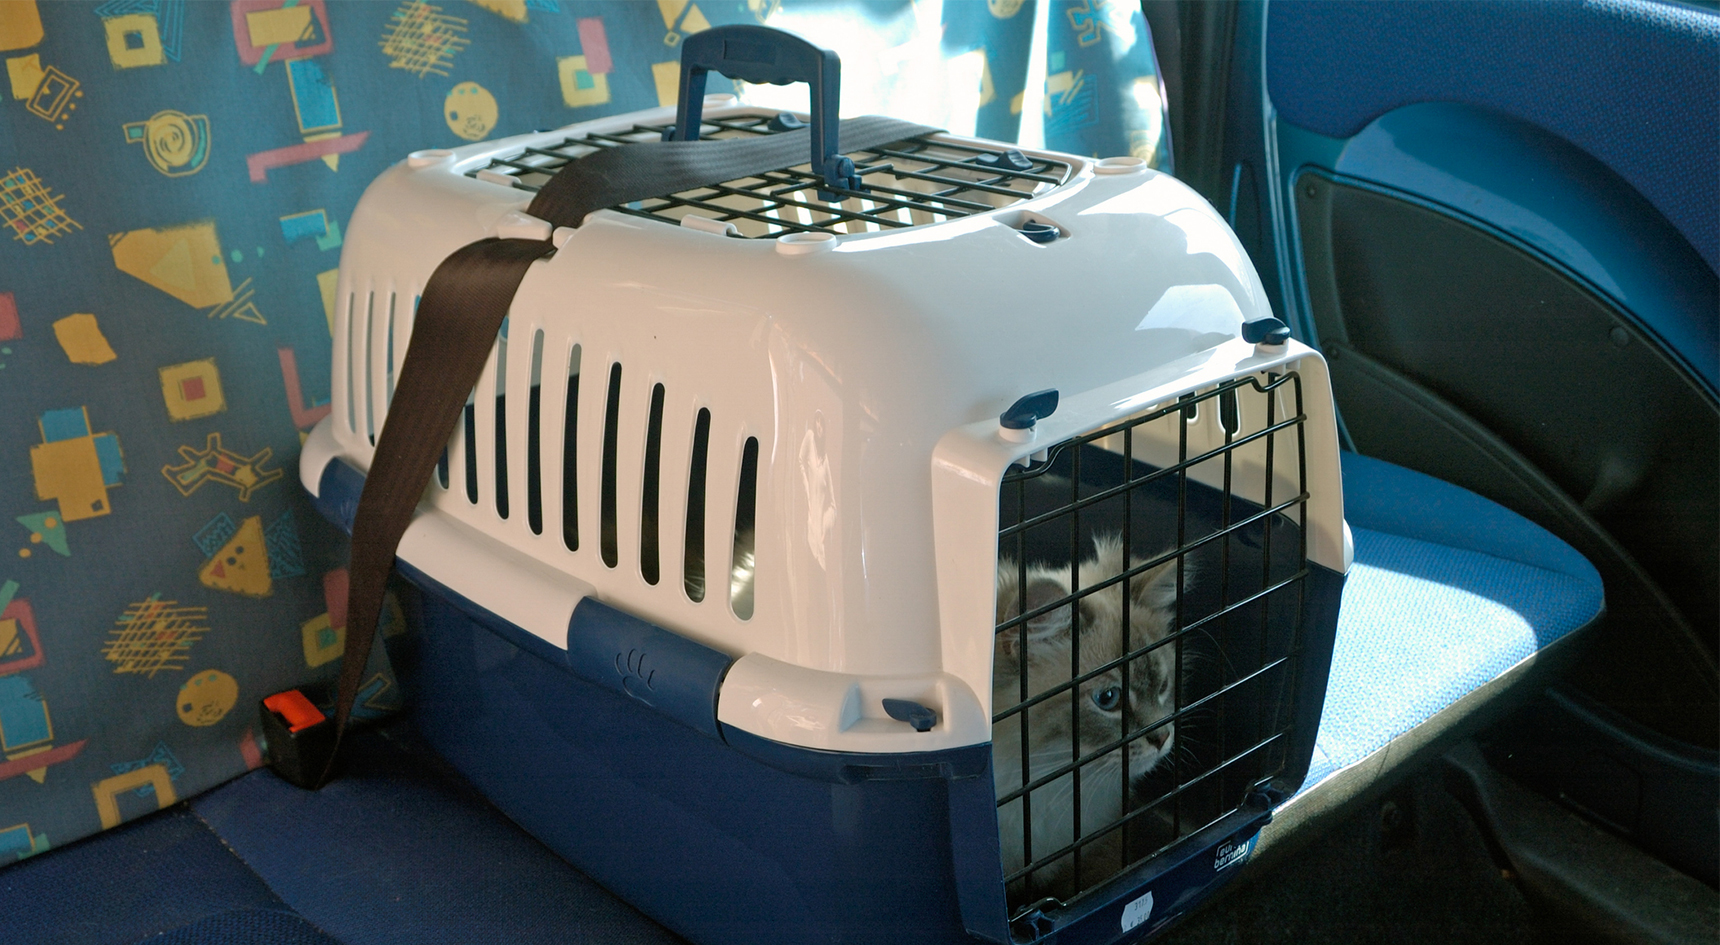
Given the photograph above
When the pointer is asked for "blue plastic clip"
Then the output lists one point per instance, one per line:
(1040, 232)
(1265, 331)
(903, 710)
(1029, 410)
(1265, 797)
(1011, 160)
(839, 172)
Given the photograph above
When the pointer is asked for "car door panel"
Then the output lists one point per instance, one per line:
(1498, 221)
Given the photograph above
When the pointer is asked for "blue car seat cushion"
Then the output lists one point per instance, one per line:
(166, 873)
(247, 927)
(1448, 595)
(400, 851)
(1595, 73)
(1422, 625)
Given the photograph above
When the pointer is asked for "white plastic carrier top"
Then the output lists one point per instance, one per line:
(869, 366)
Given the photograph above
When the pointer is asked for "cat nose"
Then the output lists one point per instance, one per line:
(1158, 737)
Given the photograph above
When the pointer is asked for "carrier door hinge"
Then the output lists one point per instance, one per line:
(1016, 424)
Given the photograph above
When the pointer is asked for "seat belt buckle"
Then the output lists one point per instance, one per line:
(300, 736)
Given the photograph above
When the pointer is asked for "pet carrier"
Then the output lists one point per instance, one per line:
(946, 546)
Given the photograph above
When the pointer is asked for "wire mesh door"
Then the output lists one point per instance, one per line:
(910, 182)
(1149, 604)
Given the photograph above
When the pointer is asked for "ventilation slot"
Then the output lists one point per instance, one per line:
(351, 400)
(369, 367)
(471, 441)
(388, 366)
(648, 499)
(742, 572)
(534, 451)
(569, 455)
(501, 430)
(694, 560)
(611, 432)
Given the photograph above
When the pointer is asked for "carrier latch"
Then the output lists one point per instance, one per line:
(906, 710)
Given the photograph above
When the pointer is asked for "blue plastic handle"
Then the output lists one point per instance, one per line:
(760, 54)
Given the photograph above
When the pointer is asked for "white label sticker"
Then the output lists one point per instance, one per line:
(1138, 911)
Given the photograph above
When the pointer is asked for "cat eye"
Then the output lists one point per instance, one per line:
(1109, 699)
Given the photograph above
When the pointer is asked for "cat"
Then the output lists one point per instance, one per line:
(1100, 704)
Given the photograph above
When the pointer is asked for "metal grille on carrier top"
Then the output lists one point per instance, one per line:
(910, 182)
(1150, 619)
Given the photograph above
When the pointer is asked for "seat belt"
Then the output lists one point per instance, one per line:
(459, 315)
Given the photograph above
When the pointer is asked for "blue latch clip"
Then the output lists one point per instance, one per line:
(1029, 410)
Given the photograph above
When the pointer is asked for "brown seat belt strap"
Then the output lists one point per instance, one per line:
(459, 315)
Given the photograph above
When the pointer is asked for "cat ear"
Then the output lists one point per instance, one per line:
(1107, 560)
(1042, 591)
(1157, 588)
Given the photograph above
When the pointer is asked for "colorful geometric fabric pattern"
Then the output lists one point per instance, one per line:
(174, 182)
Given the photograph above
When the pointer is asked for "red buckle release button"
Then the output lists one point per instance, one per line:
(295, 709)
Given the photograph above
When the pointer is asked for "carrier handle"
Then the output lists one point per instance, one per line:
(760, 54)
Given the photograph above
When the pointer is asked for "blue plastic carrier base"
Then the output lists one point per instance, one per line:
(726, 837)
(716, 840)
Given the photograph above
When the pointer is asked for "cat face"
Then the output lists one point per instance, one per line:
(1119, 702)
